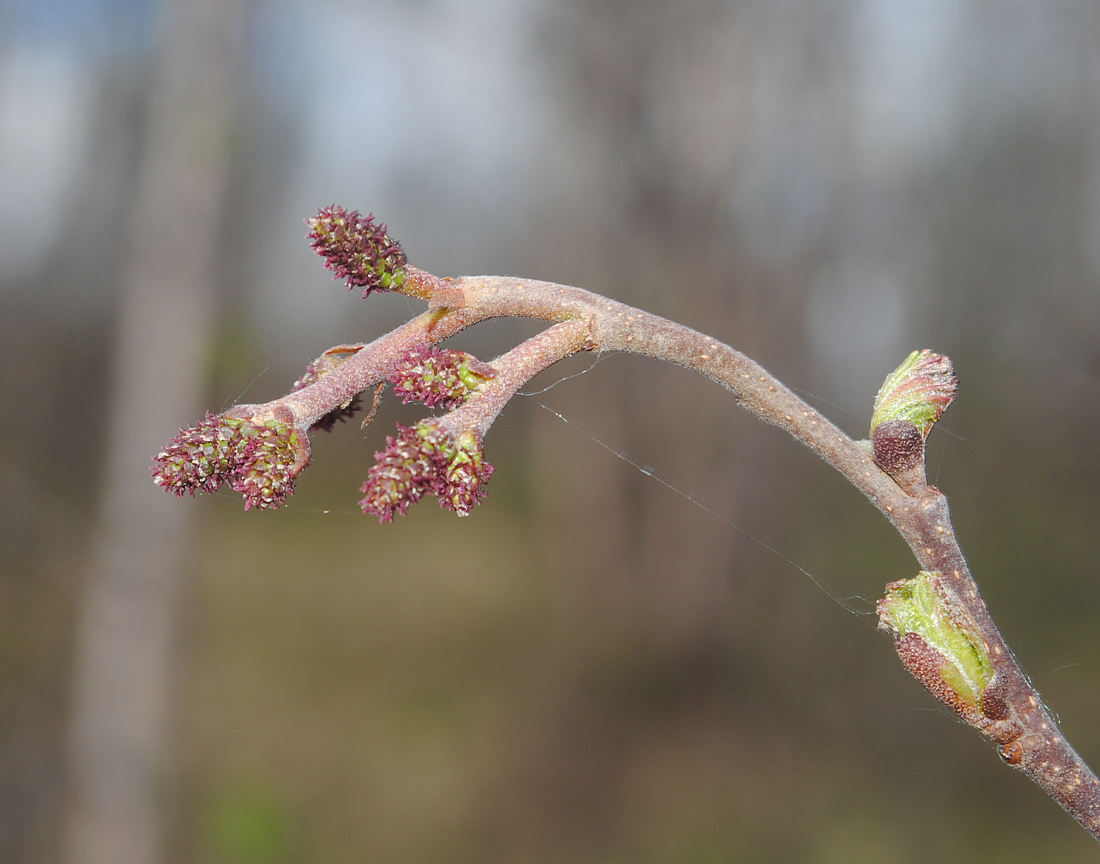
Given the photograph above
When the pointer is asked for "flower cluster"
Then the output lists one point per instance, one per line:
(260, 461)
(438, 376)
(317, 370)
(426, 459)
(357, 249)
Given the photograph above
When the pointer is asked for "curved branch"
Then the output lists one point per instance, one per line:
(942, 629)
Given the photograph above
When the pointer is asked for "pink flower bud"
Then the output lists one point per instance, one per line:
(258, 460)
(357, 250)
(438, 376)
(424, 459)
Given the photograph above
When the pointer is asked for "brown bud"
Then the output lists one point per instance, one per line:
(995, 698)
(898, 446)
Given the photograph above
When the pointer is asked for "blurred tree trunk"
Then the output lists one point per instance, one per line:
(124, 648)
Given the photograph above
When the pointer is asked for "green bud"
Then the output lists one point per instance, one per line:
(919, 391)
(937, 641)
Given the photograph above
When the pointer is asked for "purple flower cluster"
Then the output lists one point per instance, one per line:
(438, 376)
(357, 249)
(424, 459)
(259, 461)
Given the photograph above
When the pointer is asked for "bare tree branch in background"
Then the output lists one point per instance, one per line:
(124, 649)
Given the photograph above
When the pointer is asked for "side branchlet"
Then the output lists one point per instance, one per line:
(318, 369)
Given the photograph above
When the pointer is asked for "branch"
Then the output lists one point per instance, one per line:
(942, 630)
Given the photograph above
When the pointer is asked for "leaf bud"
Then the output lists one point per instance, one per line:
(938, 642)
(919, 391)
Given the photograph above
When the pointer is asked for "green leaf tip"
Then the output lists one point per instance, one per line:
(919, 391)
(938, 641)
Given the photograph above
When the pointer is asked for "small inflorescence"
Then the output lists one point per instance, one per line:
(357, 249)
(438, 377)
(261, 458)
(425, 459)
(258, 460)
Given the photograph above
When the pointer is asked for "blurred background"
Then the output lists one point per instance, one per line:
(591, 668)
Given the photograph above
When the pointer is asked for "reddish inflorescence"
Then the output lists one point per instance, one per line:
(257, 460)
(438, 377)
(423, 459)
(357, 249)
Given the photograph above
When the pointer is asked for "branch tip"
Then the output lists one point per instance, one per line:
(258, 460)
(425, 459)
(357, 249)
